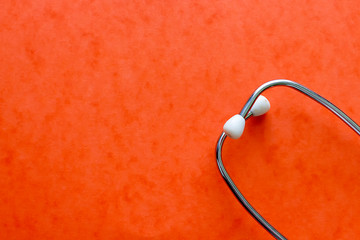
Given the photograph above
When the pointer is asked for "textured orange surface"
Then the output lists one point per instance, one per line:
(110, 111)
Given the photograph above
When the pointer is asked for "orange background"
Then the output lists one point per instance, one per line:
(110, 111)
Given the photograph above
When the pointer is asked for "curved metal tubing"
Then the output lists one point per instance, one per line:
(245, 112)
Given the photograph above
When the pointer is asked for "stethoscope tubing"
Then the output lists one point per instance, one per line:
(245, 112)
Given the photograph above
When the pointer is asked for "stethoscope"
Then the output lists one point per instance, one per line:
(256, 106)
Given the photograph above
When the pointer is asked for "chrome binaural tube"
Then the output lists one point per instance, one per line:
(245, 112)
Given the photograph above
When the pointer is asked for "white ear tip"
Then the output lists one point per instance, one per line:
(261, 106)
(234, 127)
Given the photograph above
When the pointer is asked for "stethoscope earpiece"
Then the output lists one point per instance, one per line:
(256, 106)
(260, 107)
(234, 127)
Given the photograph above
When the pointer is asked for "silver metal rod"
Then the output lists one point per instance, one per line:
(246, 114)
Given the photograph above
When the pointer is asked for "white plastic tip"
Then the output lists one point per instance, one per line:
(261, 106)
(234, 127)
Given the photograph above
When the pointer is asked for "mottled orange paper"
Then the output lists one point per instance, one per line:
(110, 111)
